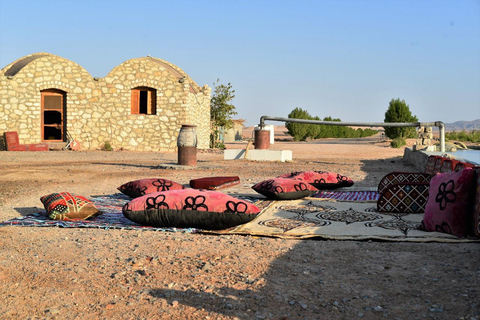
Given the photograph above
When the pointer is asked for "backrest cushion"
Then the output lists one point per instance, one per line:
(449, 206)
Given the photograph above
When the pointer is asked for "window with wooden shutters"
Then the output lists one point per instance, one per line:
(144, 100)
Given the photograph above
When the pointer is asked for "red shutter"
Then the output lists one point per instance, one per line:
(135, 101)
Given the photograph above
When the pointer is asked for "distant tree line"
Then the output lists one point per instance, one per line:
(302, 131)
(472, 136)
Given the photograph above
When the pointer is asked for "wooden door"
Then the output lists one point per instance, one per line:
(53, 115)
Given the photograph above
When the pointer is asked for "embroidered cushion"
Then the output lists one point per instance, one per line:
(214, 183)
(449, 203)
(321, 179)
(190, 208)
(284, 189)
(68, 206)
(142, 187)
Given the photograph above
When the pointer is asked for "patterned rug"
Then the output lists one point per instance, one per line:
(357, 196)
(308, 218)
(112, 218)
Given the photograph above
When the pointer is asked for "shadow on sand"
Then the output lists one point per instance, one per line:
(325, 279)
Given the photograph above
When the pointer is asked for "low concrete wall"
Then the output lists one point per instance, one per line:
(417, 158)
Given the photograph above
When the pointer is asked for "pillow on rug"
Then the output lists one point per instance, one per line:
(142, 187)
(190, 208)
(284, 189)
(321, 179)
(449, 203)
(68, 206)
(214, 183)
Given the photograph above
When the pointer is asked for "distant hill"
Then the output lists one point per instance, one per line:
(463, 125)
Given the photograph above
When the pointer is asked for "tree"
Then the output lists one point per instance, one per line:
(299, 131)
(399, 111)
(221, 109)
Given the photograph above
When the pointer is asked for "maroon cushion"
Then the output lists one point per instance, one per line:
(321, 179)
(284, 189)
(449, 204)
(190, 208)
(68, 206)
(476, 207)
(142, 187)
(214, 183)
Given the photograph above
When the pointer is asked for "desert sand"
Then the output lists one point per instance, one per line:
(59, 273)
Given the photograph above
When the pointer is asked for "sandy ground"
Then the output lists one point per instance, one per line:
(53, 273)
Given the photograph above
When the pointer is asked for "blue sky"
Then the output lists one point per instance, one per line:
(345, 59)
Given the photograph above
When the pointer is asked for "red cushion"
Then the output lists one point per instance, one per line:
(190, 208)
(142, 187)
(321, 179)
(430, 165)
(284, 189)
(449, 203)
(214, 183)
(68, 206)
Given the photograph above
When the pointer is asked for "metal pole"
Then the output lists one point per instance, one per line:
(438, 124)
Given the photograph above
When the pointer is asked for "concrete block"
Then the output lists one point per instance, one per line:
(258, 155)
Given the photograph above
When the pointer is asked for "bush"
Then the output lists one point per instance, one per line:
(398, 142)
(107, 146)
(399, 111)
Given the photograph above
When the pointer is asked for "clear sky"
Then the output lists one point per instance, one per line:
(345, 59)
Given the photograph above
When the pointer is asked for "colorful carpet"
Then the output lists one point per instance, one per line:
(357, 196)
(309, 218)
(112, 218)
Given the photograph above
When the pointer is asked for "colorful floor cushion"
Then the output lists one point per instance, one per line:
(214, 183)
(321, 179)
(190, 208)
(68, 206)
(449, 203)
(142, 187)
(284, 189)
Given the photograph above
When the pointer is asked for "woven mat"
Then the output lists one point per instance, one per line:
(356, 196)
(308, 218)
(112, 218)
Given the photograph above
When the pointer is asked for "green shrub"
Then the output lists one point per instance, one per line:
(398, 142)
(107, 146)
(399, 111)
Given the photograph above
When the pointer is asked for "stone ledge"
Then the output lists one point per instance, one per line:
(258, 155)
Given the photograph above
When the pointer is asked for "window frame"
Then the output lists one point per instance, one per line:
(136, 103)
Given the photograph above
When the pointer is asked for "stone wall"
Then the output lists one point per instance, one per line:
(99, 110)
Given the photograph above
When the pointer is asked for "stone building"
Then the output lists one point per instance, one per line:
(139, 105)
(235, 133)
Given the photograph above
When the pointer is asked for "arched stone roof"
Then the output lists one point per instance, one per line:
(17, 66)
(174, 70)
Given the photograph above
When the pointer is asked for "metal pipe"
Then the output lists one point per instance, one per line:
(438, 124)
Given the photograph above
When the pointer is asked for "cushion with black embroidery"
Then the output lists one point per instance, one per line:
(142, 187)
(321, 179)
(284, 189)
(68, 206)
(450, 202)
(190, 208)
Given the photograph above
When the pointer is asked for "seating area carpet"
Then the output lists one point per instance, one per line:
(327, 219)
(112, 218)
(293, 219)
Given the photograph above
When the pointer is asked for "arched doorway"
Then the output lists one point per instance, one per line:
(54, 103)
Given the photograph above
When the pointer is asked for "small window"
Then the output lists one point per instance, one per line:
(144, 101)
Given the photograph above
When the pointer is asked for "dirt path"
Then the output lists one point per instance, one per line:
(99, 274)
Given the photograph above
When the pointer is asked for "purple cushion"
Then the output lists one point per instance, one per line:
(190, 208)
(284, 189)
(142, 187)
(449, 205)
(476, 208)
